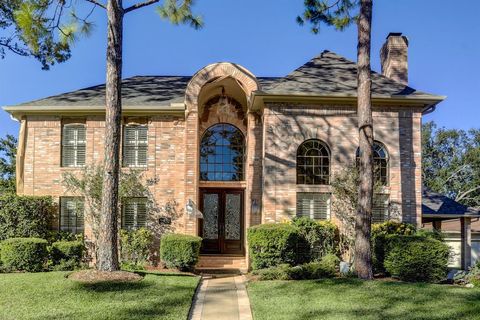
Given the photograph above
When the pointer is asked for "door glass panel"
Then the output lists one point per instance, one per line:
(232, 216)
(210, 216)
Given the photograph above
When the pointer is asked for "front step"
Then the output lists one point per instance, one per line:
(209, 263)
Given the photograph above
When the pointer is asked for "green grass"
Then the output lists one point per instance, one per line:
(355, 299)
(52, 296)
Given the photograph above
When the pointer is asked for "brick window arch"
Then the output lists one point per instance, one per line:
(313, 163)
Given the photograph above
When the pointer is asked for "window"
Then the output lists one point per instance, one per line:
(73, 145)
(222, 154)
(313, 163)
(71, 214)
(380, 163)
(134, 213)
(135, 145)
(380, 208)
(313, 205)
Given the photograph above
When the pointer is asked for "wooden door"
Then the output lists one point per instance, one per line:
(222, 226)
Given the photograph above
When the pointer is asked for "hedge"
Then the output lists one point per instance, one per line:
(24, 254)
(135, 247)
(317, 239)
(25, 216)
(273, 244)
(67, 255)
(417, 258)
(180, 251)
(380, 232)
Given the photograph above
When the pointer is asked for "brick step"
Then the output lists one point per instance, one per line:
(221, 262)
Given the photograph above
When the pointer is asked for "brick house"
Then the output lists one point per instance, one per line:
(231, 149)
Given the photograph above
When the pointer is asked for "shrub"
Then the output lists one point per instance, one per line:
(59, 235)
(25, 216)
(417, 258)
(272, 244)
(24, 254)
(135, 247)
(67, 255)
(180, 251)
(380, 233)
(320, 237)
(325, 268)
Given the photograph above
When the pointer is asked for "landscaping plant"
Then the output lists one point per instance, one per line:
(135, 247)
(180, 251)
(24, 254)
(66, 255)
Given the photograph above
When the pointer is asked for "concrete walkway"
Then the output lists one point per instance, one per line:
(221, 297)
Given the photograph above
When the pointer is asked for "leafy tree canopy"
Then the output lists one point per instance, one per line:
(451, 163)
(337, 13)
(8, 151)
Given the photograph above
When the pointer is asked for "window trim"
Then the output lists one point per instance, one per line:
(135, 146)
(60, 215)
(125, 201)
(311, 215)
(76, 145)
(329, 153)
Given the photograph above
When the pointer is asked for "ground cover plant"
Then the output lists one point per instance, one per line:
(367, 300)
(52, 296)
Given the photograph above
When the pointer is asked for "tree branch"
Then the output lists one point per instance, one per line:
(139, 5)
(465, 193)
(95, 2)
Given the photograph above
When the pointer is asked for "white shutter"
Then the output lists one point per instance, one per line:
(135, 145)
(313, 205)
(73, 145)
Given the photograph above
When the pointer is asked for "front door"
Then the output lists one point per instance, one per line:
(222, 225)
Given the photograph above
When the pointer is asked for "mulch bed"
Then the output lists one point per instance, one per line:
(92, 276)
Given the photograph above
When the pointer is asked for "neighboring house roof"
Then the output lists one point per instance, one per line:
(436, 205)
(328, 74)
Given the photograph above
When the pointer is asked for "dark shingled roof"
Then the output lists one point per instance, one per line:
(437, 204)
(327, 74)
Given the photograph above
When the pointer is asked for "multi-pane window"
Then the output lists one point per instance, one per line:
(380, 212)
(222, 154)
(380, 163)
(313, 163)
(313, 205)
(71, 214)
(134, 213)
(73, 145)
(135, 145)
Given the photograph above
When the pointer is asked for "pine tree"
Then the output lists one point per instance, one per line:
(340, 14)
(38, 17)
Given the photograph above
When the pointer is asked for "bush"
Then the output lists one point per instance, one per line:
(380, 232)
(135, 247)
(417, 258)
(273, 244)
(180, 251)
(59, 235)
(67, 255)
(325, 268)
(24, 254)
(317, 238)
(25, 216)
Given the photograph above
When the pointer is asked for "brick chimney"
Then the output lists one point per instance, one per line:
(394, 57)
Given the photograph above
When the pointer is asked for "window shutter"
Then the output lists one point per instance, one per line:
(135, 145)
(71, 214)
(73, 145)
(134, 213)
(380, 208)
(313, 205)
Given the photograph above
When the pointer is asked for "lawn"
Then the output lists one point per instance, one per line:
(355, 299)
(52, 296)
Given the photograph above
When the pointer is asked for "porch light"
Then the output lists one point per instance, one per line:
(190, 207)
(255, 207)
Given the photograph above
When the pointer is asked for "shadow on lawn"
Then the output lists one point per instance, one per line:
(110, 286)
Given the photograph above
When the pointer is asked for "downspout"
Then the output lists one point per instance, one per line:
(20, 160)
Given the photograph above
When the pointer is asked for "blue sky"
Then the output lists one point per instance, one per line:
(263, 36)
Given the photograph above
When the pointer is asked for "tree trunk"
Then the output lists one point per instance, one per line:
(107, 253)
(363, 254)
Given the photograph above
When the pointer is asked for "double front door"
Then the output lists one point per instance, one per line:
(222, 225)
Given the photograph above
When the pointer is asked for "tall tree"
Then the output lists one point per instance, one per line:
(451, 163)
(340, 14)
(11, 41)
(177, 12)
(8, 151)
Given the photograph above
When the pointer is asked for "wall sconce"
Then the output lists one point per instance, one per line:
(190, 207)
(255, 207)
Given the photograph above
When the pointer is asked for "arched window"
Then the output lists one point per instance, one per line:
(380, 162)
(222, 152)
(313, 163)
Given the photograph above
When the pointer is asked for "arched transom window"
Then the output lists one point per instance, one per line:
(222, 152)
(380, 163)
(313, 163)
